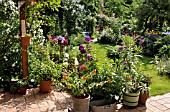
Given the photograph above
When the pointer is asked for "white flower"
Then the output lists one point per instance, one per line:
(32, 80)
(76, 62)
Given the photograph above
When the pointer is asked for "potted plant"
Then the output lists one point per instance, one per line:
(77, 78)
(127, 63)
(22, 85)
(105, 90)
(144, 94)
(41, 67)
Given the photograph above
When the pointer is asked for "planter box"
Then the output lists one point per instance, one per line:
(103, 105)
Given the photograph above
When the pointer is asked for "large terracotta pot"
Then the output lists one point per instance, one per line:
(130, 99)
(45, 86)
(143, 97)
(81, 104)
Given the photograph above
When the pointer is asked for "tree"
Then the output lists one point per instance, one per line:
(153, 15)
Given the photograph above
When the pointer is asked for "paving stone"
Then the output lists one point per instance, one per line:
(161, 107)
(167, 105)
(154, 109)
(161, 101)
(147, 110)
(32, 106)
(154, 103)
(168, 110)
(166, 100)
(45, 109)
(34, 110)
(42, 103)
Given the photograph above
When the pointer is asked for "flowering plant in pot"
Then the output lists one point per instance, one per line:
(128, 65)
(77, 78)
(105, 89)
(41, 66)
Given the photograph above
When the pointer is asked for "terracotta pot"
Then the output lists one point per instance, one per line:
(25, 40)
(45, 86)
(81, 104)
(143, 97)
(22, 90)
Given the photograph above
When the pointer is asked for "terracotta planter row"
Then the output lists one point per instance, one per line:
(45, 87)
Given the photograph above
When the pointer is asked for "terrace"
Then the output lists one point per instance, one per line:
(59, 101)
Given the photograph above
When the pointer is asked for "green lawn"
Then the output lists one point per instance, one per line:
(160, 84)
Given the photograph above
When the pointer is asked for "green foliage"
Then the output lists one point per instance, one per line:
(10, 56)
(106, 84)
(153, 15)
(41, 66)
(22, 83)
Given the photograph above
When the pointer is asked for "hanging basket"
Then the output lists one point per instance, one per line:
(130, 99)
(81, 104)
(25, 40)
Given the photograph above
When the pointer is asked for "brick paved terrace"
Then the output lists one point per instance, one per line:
(58, 101)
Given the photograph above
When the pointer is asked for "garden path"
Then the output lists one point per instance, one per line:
(59, 101)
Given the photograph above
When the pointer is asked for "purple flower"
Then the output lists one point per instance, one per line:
(89, 56)
(81, 46)
(60, 39)
(82, 50)
(120, 48)
(125, 62)
(88, 38)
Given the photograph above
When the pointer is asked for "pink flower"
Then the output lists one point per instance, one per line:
(66, 41)
(142, 41)
(82, 67)
(120, 48)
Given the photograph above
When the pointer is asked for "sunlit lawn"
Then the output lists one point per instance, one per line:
(160, 84)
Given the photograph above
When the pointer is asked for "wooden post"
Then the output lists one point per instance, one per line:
(24, 47)
(23, 33)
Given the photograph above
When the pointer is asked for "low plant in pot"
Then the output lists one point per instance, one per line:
(22, 85)
(145, 89)
(144, 94)
(105, 89)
